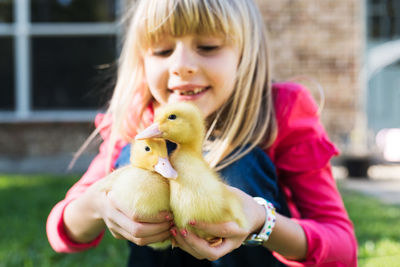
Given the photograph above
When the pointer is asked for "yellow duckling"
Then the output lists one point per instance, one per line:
(139, 187)
(198, 193)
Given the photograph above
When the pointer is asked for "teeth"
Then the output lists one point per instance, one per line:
(193, 92)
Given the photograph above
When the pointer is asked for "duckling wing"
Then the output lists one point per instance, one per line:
(197, 193)
(200, 194)
(141, 192)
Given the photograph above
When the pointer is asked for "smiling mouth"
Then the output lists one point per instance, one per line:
(195, 91)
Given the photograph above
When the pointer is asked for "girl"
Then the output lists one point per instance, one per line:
(214, 54)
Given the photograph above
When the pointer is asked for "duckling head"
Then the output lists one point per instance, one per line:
(152, 155)
(181, 123)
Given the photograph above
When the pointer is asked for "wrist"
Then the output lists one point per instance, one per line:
(262, 233)
(81, 221)
(260, 221)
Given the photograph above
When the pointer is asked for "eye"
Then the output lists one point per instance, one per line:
(172, 117)
(162, 53)
(147, 148)
(208, 48)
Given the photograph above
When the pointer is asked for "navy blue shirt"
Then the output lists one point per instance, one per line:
(254, 174)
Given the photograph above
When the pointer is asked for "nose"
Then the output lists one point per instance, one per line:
(183, 62)
(183, 71)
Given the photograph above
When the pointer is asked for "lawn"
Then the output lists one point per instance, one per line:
(25, 203)
(27, 200)
(377, 229)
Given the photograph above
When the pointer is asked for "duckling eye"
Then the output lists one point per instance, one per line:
(147, 148)
(172, 117)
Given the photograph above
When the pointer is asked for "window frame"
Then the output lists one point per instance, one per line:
(22, 30)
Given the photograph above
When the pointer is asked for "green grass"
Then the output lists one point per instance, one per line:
(377, 228)
(25, 204)
(27, 200)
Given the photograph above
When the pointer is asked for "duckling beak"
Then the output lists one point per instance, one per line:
(153, 131)
(164, 168)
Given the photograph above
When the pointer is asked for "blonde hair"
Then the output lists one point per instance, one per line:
(246, 119)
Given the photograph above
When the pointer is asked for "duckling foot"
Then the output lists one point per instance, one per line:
(214, 241)
(174, 244)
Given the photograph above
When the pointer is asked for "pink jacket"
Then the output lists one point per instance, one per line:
(301, 154)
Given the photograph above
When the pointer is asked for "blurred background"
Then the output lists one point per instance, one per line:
(57, 71)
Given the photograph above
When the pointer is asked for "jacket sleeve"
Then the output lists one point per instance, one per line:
(301, 154)
(56, 234)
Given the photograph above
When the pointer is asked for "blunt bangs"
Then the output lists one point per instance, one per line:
(182, 17)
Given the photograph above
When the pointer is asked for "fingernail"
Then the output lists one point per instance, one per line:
(193, 222)
(184, 232)
(168, 217)
(172, 223)
(173, 232)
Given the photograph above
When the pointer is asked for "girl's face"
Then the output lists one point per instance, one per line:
(197, 68)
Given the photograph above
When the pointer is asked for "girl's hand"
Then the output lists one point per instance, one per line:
(141, 231)
(232, 235)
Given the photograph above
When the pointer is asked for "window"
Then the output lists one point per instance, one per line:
(57, 57)
(72, 84)
(73, 11)
(383, 20)
(6, 14)
(6, 74)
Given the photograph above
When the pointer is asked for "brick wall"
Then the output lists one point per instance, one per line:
(323, 41)
(44, 147)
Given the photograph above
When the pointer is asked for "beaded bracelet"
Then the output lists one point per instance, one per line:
(270, 218)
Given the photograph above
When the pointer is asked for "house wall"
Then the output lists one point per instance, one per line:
(322, 40)
(44, 147)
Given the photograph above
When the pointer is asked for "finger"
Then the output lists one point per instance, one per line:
(192, 239)
(137, 229)
(120, 233)
(118, 220)
(148, 229)
(162, 216)
(116, 235)
(202, 247)
(207, 250)
(219, 251)
(226, 229)
(151, 239)
(182, 244)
